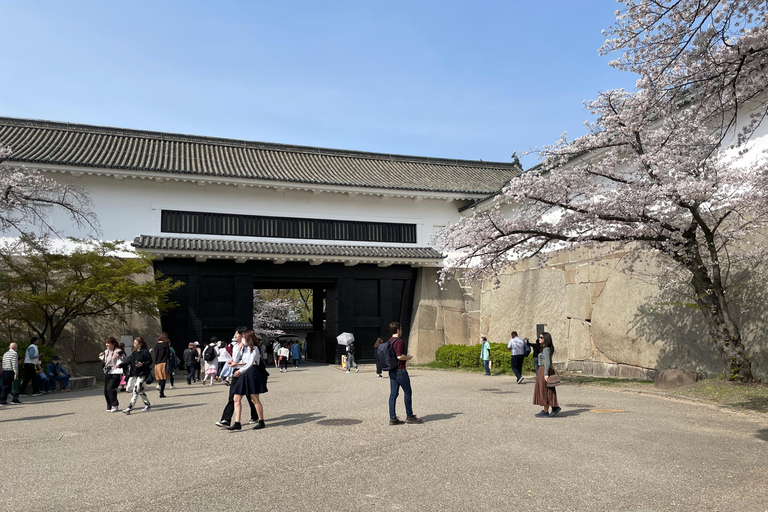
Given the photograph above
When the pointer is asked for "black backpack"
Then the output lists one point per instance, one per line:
(387, 358)
(209, 354)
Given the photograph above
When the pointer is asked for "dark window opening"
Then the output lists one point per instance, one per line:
(199, 223)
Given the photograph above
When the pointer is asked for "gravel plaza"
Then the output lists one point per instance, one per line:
(328, 446)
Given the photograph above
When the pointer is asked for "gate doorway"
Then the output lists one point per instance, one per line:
(218, 296)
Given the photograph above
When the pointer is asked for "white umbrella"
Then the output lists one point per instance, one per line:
(345, 338)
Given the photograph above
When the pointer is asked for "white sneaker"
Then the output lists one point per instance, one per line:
(114, 409)
(127, 411)
(173, 387)
(357, 369)
(146, 408)
(157, 387)
(347, 371)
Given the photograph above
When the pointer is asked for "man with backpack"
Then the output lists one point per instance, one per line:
(392, 357)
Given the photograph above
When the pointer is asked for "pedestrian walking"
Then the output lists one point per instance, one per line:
(190, 358)
(252, 380)
(516, 347)
(138, 365)
(399, 378)
(211, 359)
(235, 364)
(283, 354)
(376, 359)
(199, 362)
(31, 361)
(485, 355)
(112, 358)
(224, 356)
(351, 357)
(10, 374)
(160, 356)
(173, 365)
(543, 394)
(296, 353)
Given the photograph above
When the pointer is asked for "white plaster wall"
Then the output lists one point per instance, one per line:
(130, 207)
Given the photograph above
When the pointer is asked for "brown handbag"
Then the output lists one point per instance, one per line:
(554, 380)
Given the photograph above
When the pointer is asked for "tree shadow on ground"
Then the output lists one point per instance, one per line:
(762, 434)
(755, 404)
(38, 417)
(439, 417)
(294, 419)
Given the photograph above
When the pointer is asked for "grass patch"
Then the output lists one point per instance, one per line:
(733, 394)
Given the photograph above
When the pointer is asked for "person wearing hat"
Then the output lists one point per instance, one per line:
(57, 374)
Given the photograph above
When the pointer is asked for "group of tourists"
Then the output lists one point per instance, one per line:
(44, 378)
(241, 365)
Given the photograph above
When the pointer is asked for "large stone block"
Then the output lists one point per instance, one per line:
(673, 377)
(456, 327)
(578, 299)
(425, 317)
(627, 328)
(524, 300)
(600, 369)
(424, 345)
(579, 343)
(634, 372)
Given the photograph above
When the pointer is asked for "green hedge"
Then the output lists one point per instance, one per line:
(462, 356)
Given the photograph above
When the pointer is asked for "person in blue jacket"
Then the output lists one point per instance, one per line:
(296, 353)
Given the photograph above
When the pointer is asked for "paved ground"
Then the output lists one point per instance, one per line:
(328, 446)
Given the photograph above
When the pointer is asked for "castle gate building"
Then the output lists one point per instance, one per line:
(229, 216)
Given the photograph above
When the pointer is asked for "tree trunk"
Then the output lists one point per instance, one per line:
(711, 300)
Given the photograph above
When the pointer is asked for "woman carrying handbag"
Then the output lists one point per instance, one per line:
(545, 394)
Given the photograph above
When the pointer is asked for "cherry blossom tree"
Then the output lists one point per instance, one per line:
(29, 200)
(269, 313)
(674, 167)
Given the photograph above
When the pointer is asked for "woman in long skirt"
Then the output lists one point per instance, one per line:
(253, 379)
(544, 395)
(160, 355)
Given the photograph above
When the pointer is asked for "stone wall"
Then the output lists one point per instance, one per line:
(596, 306)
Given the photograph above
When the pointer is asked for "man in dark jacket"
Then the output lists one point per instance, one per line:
(190, 362)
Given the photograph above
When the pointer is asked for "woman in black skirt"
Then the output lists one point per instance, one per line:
(252, 381)
(544, 395)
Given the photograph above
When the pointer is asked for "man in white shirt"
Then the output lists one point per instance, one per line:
(517, 347)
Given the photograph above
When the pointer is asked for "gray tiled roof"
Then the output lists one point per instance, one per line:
(304, 251)
(53, 143)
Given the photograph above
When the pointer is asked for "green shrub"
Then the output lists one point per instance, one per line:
(45, 352)
(463, 356)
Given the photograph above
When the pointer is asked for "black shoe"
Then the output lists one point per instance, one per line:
(542, 414)
(413, 419)
(395, 421)
(162, 396)
(222, 423)
(236, 426)
(554, 412)
(260, 425)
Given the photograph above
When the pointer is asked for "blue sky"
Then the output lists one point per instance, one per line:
(453, 79)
